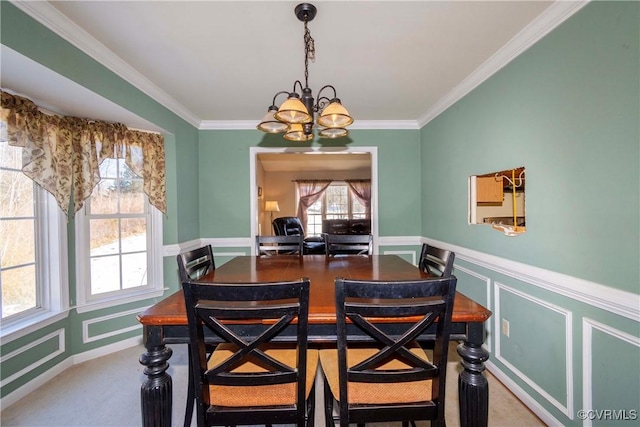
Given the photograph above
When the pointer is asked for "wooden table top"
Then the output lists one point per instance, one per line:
(321, 271)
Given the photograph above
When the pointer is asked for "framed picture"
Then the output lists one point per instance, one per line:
(260, 192)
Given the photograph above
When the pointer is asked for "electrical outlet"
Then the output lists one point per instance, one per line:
(505, 327)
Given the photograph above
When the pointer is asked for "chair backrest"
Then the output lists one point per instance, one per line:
(436, 261)
(361, 244)
(428, 300)
(288, 226)
(192, 265)
(272, 308)
(279, 245)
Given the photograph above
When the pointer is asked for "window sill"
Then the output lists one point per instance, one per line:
(116, 300)
(30, 324)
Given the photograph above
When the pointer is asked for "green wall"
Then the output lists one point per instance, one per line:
(567, 109)
(224, 178)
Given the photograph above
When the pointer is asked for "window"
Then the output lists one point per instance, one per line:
(336, 203)
(118, 240)
(32, 246)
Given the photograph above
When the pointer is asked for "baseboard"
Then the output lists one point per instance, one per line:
(519, 392)
(35, 383)
(58, 369)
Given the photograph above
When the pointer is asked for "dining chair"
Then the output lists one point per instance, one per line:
(252, 377)
(348, 244)
(195, 263)
(389, 377)
(192, 265)
(436, 261)
(279, 245)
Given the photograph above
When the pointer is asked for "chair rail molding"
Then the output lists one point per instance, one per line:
(613, 300)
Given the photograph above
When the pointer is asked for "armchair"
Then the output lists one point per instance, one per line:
(291, 226)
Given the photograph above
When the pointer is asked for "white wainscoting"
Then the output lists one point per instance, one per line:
(588, 326)
(86, 338)
(567, 408)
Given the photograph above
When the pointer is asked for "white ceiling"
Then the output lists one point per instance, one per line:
(218, 64)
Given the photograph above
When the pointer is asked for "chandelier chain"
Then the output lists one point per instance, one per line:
(310, 52)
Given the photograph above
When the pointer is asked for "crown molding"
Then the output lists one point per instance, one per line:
(358, 124)
(548, 20)
(50, 17)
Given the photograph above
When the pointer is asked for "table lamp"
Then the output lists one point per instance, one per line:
(271, 206)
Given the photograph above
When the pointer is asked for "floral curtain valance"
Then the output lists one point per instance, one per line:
(63, 154)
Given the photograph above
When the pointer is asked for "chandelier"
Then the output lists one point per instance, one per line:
(296, 114)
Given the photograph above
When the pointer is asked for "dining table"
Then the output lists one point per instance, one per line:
(166, 322)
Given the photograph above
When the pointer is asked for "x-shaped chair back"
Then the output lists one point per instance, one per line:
(246, 318)
(426, 304)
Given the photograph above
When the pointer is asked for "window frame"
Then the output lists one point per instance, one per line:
(350, 201)
(52, 276)
(155, 278)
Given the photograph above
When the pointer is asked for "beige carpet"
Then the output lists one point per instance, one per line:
(106, 392)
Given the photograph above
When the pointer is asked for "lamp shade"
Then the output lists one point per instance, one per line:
(270, 124)
(335, 115)
(296, 133)
(293, 111)
(271, 206)
(333, 133)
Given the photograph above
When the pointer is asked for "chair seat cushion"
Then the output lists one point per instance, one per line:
(260, 395)
(375, 393)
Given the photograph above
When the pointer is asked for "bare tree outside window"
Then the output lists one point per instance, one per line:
(117, 212)
(18, 269)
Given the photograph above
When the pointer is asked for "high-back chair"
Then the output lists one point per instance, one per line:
(249, 378)
(195, 263)
(389, 378)
(348, 244)
(436, 261)
(279, 245)
(192, 265)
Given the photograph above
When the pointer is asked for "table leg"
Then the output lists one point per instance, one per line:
(156, 392)
(473, 389)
